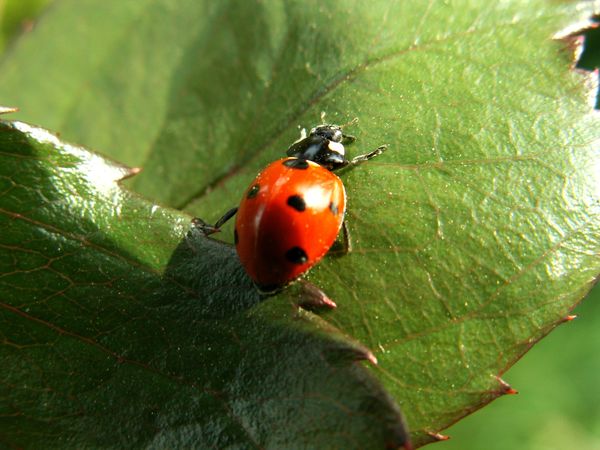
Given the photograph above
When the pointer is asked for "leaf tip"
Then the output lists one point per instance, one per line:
(371, 357)
(569, 318)
(505, 388)
(8, 109)
(437, 437)
(311, 297)
(329, 303)
(351, 351)
(130, 172)
(360, 353)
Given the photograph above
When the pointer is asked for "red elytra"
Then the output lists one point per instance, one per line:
(288, 219)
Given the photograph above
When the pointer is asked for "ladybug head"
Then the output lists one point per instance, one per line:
(331, 132)
(324, 145)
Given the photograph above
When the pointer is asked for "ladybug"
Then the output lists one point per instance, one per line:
(292, 212)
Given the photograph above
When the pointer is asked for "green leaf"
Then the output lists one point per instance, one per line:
(117, 331)
(473, 236)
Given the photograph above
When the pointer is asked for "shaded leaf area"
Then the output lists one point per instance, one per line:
(120, 327)
(473, 235)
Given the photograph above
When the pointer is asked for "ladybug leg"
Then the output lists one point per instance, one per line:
(208, 229)
(367, 156)
(346, 242)
(348, 139)
(342, 246)
(311, 297)
(228, 215)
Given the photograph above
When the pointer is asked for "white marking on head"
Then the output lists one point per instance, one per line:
(337, 147)
(302, 136)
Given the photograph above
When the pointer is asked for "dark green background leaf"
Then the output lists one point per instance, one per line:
(113, 335)
(474, 235)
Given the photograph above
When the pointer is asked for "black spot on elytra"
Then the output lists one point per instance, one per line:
(296, 255)
(333, 208)
(296, 202)
(253, 191)
(296, 163)
(235, 236)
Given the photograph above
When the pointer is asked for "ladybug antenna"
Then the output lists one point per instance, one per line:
(352, 122)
